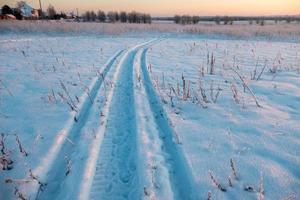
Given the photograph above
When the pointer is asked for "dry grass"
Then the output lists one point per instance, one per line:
(290, 31)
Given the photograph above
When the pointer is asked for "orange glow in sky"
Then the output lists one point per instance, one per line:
(171, 7)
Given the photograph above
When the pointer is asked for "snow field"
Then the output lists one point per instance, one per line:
(132, 117)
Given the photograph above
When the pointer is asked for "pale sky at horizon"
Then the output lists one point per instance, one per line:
(171, 7)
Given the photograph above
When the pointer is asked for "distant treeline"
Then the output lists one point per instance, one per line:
(255, 19)
(187, 19)
(131, 17)
(101, 16)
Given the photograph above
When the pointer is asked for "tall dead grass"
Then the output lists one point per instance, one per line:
(289, 31)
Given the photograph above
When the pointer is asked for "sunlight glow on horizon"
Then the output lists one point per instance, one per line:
(172, 7)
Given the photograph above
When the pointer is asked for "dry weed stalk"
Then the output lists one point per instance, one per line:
(215, 181)
(213, 97)
(2, 144)
(68, 160)
(197, 99)
(41, 185)
(21, 149)
(262, 71)
(19, 194)
(185, 89)
(203, 94)
(209, 195)
(245, 85)
(253, 76)
(69, 101)
(87, 89)
(230, 181)
(233, 169)
(235, 93)
(5, 162)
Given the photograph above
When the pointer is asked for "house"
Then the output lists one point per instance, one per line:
(27, 11)
(6, 13)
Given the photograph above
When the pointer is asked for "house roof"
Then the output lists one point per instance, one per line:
(26, 10)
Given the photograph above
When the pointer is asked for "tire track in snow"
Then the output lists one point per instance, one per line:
(111, 170)
(170, 173)
(155, 177)
(52, 167)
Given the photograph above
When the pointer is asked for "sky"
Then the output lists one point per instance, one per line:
(171, 7)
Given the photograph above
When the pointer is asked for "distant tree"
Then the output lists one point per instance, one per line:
(186, 19)
(72, 15)
(183, 19)
(63, 15)
(7, 10)
(195, 19)
(145, 18)
(101, 16)
(148, 19)
(87, 16)
(257, 21)
(117, 16)
(217, 20)
(51, 11)
(226, 20)
(93, 16)
(112, 16)
(138, 18)
(288, 20)
(123, 17)
(177, 19)
(132, 17)
(262, 22)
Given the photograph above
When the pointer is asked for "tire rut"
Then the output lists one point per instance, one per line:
(50, 170)
(180, 176)
(116, 175)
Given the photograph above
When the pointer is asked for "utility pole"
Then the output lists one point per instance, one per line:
(41, 7)
(77, 15)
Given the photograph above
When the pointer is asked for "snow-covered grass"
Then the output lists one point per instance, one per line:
(268, 31)
(132, 116)
(217, 128)
(43, 79)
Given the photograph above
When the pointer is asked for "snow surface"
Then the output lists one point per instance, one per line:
(134, 133)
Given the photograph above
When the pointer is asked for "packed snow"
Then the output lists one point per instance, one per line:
(153, 116)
